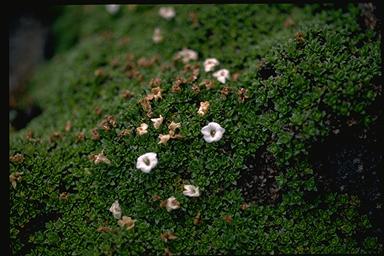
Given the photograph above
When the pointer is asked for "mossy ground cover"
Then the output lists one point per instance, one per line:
(295, 73)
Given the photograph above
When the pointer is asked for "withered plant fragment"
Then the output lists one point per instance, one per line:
(17, 158)
(126, 94)
(167, 236)
(204, 105)
(68, 126)
(99, 158)
(103, 229)
(55, 136)
(14, 178)
(244, 206)
(80, 137)
(99, 72)
(164, 138)
(98, 111)
(209, 84)
(197, 219)
(29, 135)
(127, 222)
(142, 129)
(155, 82)
(167, 252)
(196, 88)
(64, 196)
(95, 134)
(124, 133)
(146, 62)
(146, 105)
(242, 93)
(289, 22)
(225, 91)
(108, 123)
(228, 219)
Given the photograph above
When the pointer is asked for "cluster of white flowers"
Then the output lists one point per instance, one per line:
(221, 75)
(212, 132)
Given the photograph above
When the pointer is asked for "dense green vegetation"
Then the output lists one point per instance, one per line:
(298, 70)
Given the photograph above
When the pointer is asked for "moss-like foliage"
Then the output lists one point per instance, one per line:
(294, 71)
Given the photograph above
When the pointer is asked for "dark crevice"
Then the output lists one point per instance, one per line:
(369, 16)
(266, 71)
(352, 162)
(65, 185)
(19, 118)
(257, 180)
(34, 225)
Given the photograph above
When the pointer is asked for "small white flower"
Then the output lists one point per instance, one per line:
(142, 129)
(172, 204)
(157, 121)
(147, 162)
(186, 55)
(112, 8)
(210, 64)
(204, 105)
(157, 36)
(212, 132)
(167, 12)
(222, 75)
(116, 210)
(191, 191)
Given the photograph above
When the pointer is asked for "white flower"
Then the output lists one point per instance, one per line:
(112, 8)
(222, 75)
(186, 55)
(210, 64)
(157, 36)
(204, 105)
(192, 191)
(167, 12)
(116, 210)
(142, 129)
(147, 162)
(212, 132)
(172, 204)
(157, 121)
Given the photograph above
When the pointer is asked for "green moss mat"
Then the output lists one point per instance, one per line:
(294, 70)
